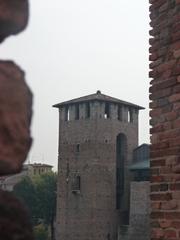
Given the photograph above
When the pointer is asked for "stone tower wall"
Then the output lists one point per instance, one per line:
(91, 213)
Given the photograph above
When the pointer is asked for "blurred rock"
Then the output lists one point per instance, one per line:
(15, 118)
(14, 219)
(13, 17)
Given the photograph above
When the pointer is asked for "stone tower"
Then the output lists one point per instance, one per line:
(97, 135)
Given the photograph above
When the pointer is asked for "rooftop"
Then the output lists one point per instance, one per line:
(140, 165)
(39, 165)
(97, 96)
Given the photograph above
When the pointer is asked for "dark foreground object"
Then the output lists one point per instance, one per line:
(14, 219)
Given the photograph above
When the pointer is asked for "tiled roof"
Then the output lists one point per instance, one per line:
(97, 96)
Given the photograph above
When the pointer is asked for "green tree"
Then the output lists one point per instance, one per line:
(26, 191)
(46, 187)
(39, 194)
(40, 232)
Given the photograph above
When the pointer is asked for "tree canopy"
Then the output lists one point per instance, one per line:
(39, 194)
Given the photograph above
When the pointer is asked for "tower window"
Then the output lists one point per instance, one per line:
(78, 148)
(67, 113)
(76, 185)
(77, 112)
(87, 110)
(130, 116)
(119, 113)
(107, 111)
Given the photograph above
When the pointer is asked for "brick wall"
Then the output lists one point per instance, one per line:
(15, 118)
(165, 120)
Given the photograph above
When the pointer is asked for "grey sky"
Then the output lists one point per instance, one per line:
(73, 48)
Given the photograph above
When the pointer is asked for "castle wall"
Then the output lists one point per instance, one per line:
(87, 148)
(139, 227)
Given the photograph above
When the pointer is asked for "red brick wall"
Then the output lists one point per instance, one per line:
(165, 118)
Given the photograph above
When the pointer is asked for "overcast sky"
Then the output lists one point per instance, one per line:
(73, 48)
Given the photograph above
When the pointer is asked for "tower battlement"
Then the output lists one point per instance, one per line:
(98, 105)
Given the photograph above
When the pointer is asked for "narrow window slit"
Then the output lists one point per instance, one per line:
(67, 113)
(87, 110)
(107, 111)
(77, 112)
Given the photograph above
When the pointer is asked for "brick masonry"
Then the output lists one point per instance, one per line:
(165, 118)
(91, 214)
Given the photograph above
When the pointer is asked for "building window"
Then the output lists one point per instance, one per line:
(107, 111)
(76, 184)
(87, 110)
(130, 115)
(78, 148)
(67, 113)
(77, 112)
(119, 113)
(141, 175)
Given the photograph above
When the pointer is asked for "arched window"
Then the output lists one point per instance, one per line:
(121, 153)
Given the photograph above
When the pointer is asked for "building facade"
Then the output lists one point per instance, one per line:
(28, 170)
(35, 169)
(97, 136)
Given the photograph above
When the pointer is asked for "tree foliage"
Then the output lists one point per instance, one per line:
(39, 194)
(40, 232)
(45, 186)
(26, 191)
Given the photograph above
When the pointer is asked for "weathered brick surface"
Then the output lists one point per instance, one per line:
(165, 117)
(13, 17)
